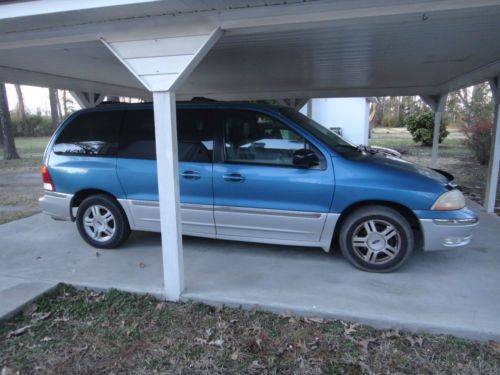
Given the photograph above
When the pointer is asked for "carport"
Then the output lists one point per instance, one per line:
(249, 49)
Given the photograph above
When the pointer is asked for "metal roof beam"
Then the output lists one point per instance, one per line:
(27, 77)
(87, 99)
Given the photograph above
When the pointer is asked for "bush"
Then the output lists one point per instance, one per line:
(421, 128)
(36, 126)
(478, 139)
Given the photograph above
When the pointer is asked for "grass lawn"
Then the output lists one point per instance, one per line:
(83, 332)
(30, 149)
(20, 181)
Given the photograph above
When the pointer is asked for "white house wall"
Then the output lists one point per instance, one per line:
(349, 114)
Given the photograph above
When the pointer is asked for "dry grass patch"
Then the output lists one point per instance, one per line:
(83, 332)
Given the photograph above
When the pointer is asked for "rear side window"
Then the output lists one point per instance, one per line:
(194, 134)
(91, 134)
(137, 140)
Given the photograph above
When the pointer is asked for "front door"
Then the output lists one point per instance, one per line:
(259, 194)
(136, 168)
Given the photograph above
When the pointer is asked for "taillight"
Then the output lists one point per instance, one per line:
(47, 181)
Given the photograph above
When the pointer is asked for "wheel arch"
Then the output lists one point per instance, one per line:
(81, 195)
(403, 210)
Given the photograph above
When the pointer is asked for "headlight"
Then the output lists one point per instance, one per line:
(451, 200)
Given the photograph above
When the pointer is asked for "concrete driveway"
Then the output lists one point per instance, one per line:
(454, 292)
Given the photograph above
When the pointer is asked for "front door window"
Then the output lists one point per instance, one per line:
(255, 138)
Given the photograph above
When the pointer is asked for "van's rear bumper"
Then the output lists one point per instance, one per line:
(443, 234)
(56, 205)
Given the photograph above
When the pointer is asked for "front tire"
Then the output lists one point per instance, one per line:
(376, 239)
(102, 222)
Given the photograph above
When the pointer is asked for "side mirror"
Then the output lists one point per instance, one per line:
(305, 158)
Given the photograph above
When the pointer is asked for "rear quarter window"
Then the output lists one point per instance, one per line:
(194, 133)
(91, 134)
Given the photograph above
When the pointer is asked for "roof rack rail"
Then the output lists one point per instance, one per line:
(107, 102)
(201, 99)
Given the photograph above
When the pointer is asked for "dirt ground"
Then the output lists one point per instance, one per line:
(83, 332)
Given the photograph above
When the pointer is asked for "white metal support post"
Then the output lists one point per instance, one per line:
(162, 65)
(168, 190)
(492, 183)
(437, 103)
(310, 108)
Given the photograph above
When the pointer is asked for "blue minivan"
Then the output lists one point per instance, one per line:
(250, 172)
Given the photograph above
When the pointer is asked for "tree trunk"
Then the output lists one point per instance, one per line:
(9, 147)
(65, 103)
(59, 110)
(54, 113)
(21, 110)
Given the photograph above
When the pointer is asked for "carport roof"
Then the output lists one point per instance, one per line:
(269, 49)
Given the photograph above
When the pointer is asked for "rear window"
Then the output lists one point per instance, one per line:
(91, 134)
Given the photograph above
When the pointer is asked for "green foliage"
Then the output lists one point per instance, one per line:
(35, 125)
(421, 128)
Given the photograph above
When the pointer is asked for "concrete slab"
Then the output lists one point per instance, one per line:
(448, 292)
(39, 248)
(15, 293)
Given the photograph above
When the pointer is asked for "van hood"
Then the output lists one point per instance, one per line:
(403, 165)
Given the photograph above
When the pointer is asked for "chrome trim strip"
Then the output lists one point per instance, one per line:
(143, 203)
(197, 224)
(186, 206)
(193, 206)
(455, 221)
(266, 211)
(152, 220)
(261, 229)
(56, 194)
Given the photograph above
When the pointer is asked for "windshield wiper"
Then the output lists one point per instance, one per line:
(366, 149)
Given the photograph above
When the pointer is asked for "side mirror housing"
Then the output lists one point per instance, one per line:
(305, 158)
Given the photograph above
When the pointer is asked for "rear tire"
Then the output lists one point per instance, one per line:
(376, 239)
(101, 221)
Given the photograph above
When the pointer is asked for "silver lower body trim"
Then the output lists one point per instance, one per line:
(280, 227)
(197, 220)
(56, 205)
(267, 211)
(447, 234)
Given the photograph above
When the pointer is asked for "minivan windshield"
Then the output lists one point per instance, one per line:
(331, 139)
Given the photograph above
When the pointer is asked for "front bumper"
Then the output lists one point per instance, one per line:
(56, 205)
(443, 234)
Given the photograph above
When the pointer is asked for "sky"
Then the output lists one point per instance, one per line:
(36, 99)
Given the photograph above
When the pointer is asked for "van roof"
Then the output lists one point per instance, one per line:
(191, 103)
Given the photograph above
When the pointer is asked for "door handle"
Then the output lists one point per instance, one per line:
(234, 177)
(191, 175)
